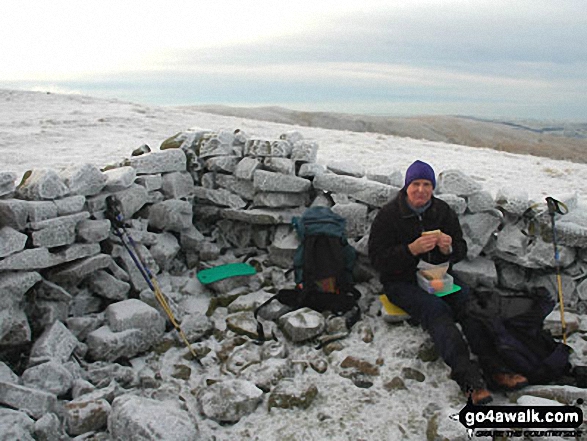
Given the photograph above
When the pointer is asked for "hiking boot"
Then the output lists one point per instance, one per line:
(508, 381)
(480, 396)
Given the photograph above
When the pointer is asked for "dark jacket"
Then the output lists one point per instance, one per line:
(396, 226)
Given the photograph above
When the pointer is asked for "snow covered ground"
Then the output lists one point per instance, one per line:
(52, 130)
(49, 130)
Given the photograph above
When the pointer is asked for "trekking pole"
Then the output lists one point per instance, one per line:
(557, 207)
(114, 214)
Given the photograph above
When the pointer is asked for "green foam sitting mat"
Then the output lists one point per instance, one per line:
(454, 289)
(211, 275)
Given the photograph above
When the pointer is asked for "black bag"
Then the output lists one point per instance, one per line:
(323, 265)
(515, 324)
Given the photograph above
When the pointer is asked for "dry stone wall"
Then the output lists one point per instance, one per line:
(71, 296)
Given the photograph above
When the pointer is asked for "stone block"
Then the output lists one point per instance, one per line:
(370, 192)
(171, 215)
(107, 286)
(220, 197)
(11, 241)
(246, 168)
(42, 184)
(276, 182)
(84, 179)
(280, 199)
(56, 343)
(284, 166)
(177, 185)
(7, 183)
(456, 182)
(304, 151)
(34, 402)
(150, 182)
(119, 178)
(476, 272)
(355, 214)
(346, 168)
(172, 160)
(93, 231)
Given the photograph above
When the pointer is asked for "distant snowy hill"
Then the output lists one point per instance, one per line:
(551, 139)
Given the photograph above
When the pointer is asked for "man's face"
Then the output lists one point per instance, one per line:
(419, 192)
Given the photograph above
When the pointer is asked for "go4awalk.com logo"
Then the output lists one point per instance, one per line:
(522, 421)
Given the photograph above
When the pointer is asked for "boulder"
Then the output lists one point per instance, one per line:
(137, 418)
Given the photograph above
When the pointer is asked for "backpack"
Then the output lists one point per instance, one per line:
(323, 268)
(516, 325)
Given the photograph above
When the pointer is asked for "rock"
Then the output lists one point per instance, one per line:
(228, 401)
(56, 343)
(478, 228)
(304, 151)
(93, 231)
(241, 187)
(82, 416)
(119, 178)
(457, 203)
(84, 179)
(277, 182)
(355, 214)
(171, 215)
(49, 428)
(14, 326)
(258, 147)
(133, 418)
(279, 165)
(107, 286)
(480, 201)
(15, 213)
(74, 272)
(177, 185)
(552, 323)
(165, 250)
(11, 241)
(42, 184)
(131, 199)
(456, 182)
(220, 197)
(512, 200)
(243, 323)
(268, 373)
(280, 199)
(7, 183)
(346, 168)
(370, 192)
(302, 324)
(50, 377)
(16, 425)
(359, 365)
(150, 182)
(290, 394)
(413, 374)
(6, 374)
(172, 160)
(479, 271)
(34, 402)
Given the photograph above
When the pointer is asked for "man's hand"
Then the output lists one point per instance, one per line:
(428, 242)
(444, 243)
(423, 244)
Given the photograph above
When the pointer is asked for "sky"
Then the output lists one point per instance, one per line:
(485, 58)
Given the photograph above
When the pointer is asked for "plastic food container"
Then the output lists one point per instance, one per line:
(426, 284)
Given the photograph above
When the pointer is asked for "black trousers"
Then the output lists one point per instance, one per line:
(438, 316)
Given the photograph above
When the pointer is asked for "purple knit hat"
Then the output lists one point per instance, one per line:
(420, 170)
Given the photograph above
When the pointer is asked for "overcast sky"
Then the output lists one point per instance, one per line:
(488, 58)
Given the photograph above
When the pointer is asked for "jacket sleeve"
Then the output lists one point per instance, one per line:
(387, 252)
